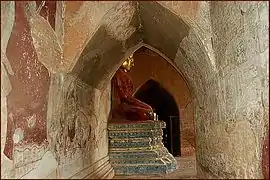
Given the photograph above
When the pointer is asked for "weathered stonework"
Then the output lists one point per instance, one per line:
(221, 48)
(7, 22)
(137, 148)
(77, 122)
(80, 26)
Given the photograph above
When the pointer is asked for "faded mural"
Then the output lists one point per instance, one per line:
(35, 142)
(50, 121)
(25, 91)
(27, 103)
(7, 21)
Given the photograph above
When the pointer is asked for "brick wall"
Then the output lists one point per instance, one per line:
(150, 65)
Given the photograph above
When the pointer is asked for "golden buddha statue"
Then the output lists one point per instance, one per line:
(125, 105)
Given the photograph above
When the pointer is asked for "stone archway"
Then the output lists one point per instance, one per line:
(223, 116)
(164, 105)
(151, 64)
(105, 51)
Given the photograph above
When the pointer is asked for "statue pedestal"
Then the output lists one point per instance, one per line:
(137, 148)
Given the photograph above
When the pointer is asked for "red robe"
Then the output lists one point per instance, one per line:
(126, 106)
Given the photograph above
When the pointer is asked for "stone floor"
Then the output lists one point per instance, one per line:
(186, 170)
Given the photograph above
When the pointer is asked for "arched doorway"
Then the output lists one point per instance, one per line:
(165, 106)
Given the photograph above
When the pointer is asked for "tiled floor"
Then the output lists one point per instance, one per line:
(186, 170)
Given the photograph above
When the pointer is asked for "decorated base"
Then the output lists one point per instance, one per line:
(137, 148)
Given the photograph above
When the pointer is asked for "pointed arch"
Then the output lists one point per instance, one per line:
(164, 104)
(104, 53)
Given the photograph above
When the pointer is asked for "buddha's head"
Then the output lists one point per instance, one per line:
(128, 63)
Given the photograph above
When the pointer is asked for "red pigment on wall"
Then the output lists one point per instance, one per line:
(265, 157)
(48, 11)
(30, 85)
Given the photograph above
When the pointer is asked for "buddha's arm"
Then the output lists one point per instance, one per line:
(139, 103)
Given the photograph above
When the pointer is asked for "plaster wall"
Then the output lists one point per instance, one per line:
(47, 73)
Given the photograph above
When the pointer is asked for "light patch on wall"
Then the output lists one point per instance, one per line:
(44, 167)
(32, 121)
(18, 135)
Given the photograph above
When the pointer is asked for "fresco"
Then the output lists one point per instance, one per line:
(27, 101)
(7, 22)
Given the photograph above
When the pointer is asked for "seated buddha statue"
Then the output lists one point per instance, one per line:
(125, 106)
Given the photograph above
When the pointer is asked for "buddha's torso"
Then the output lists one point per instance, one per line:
(124, 83)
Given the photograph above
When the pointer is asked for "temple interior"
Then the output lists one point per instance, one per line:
(166, 108)
(134, 90)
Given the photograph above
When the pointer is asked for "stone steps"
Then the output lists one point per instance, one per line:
(135, 142)
(137, 148)
(133, 155)
(186, 170)
(157, 161)
(134, 134)
(138, 153)
(144, 166)
(139, 169)
(136, 125)
(138, 161)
